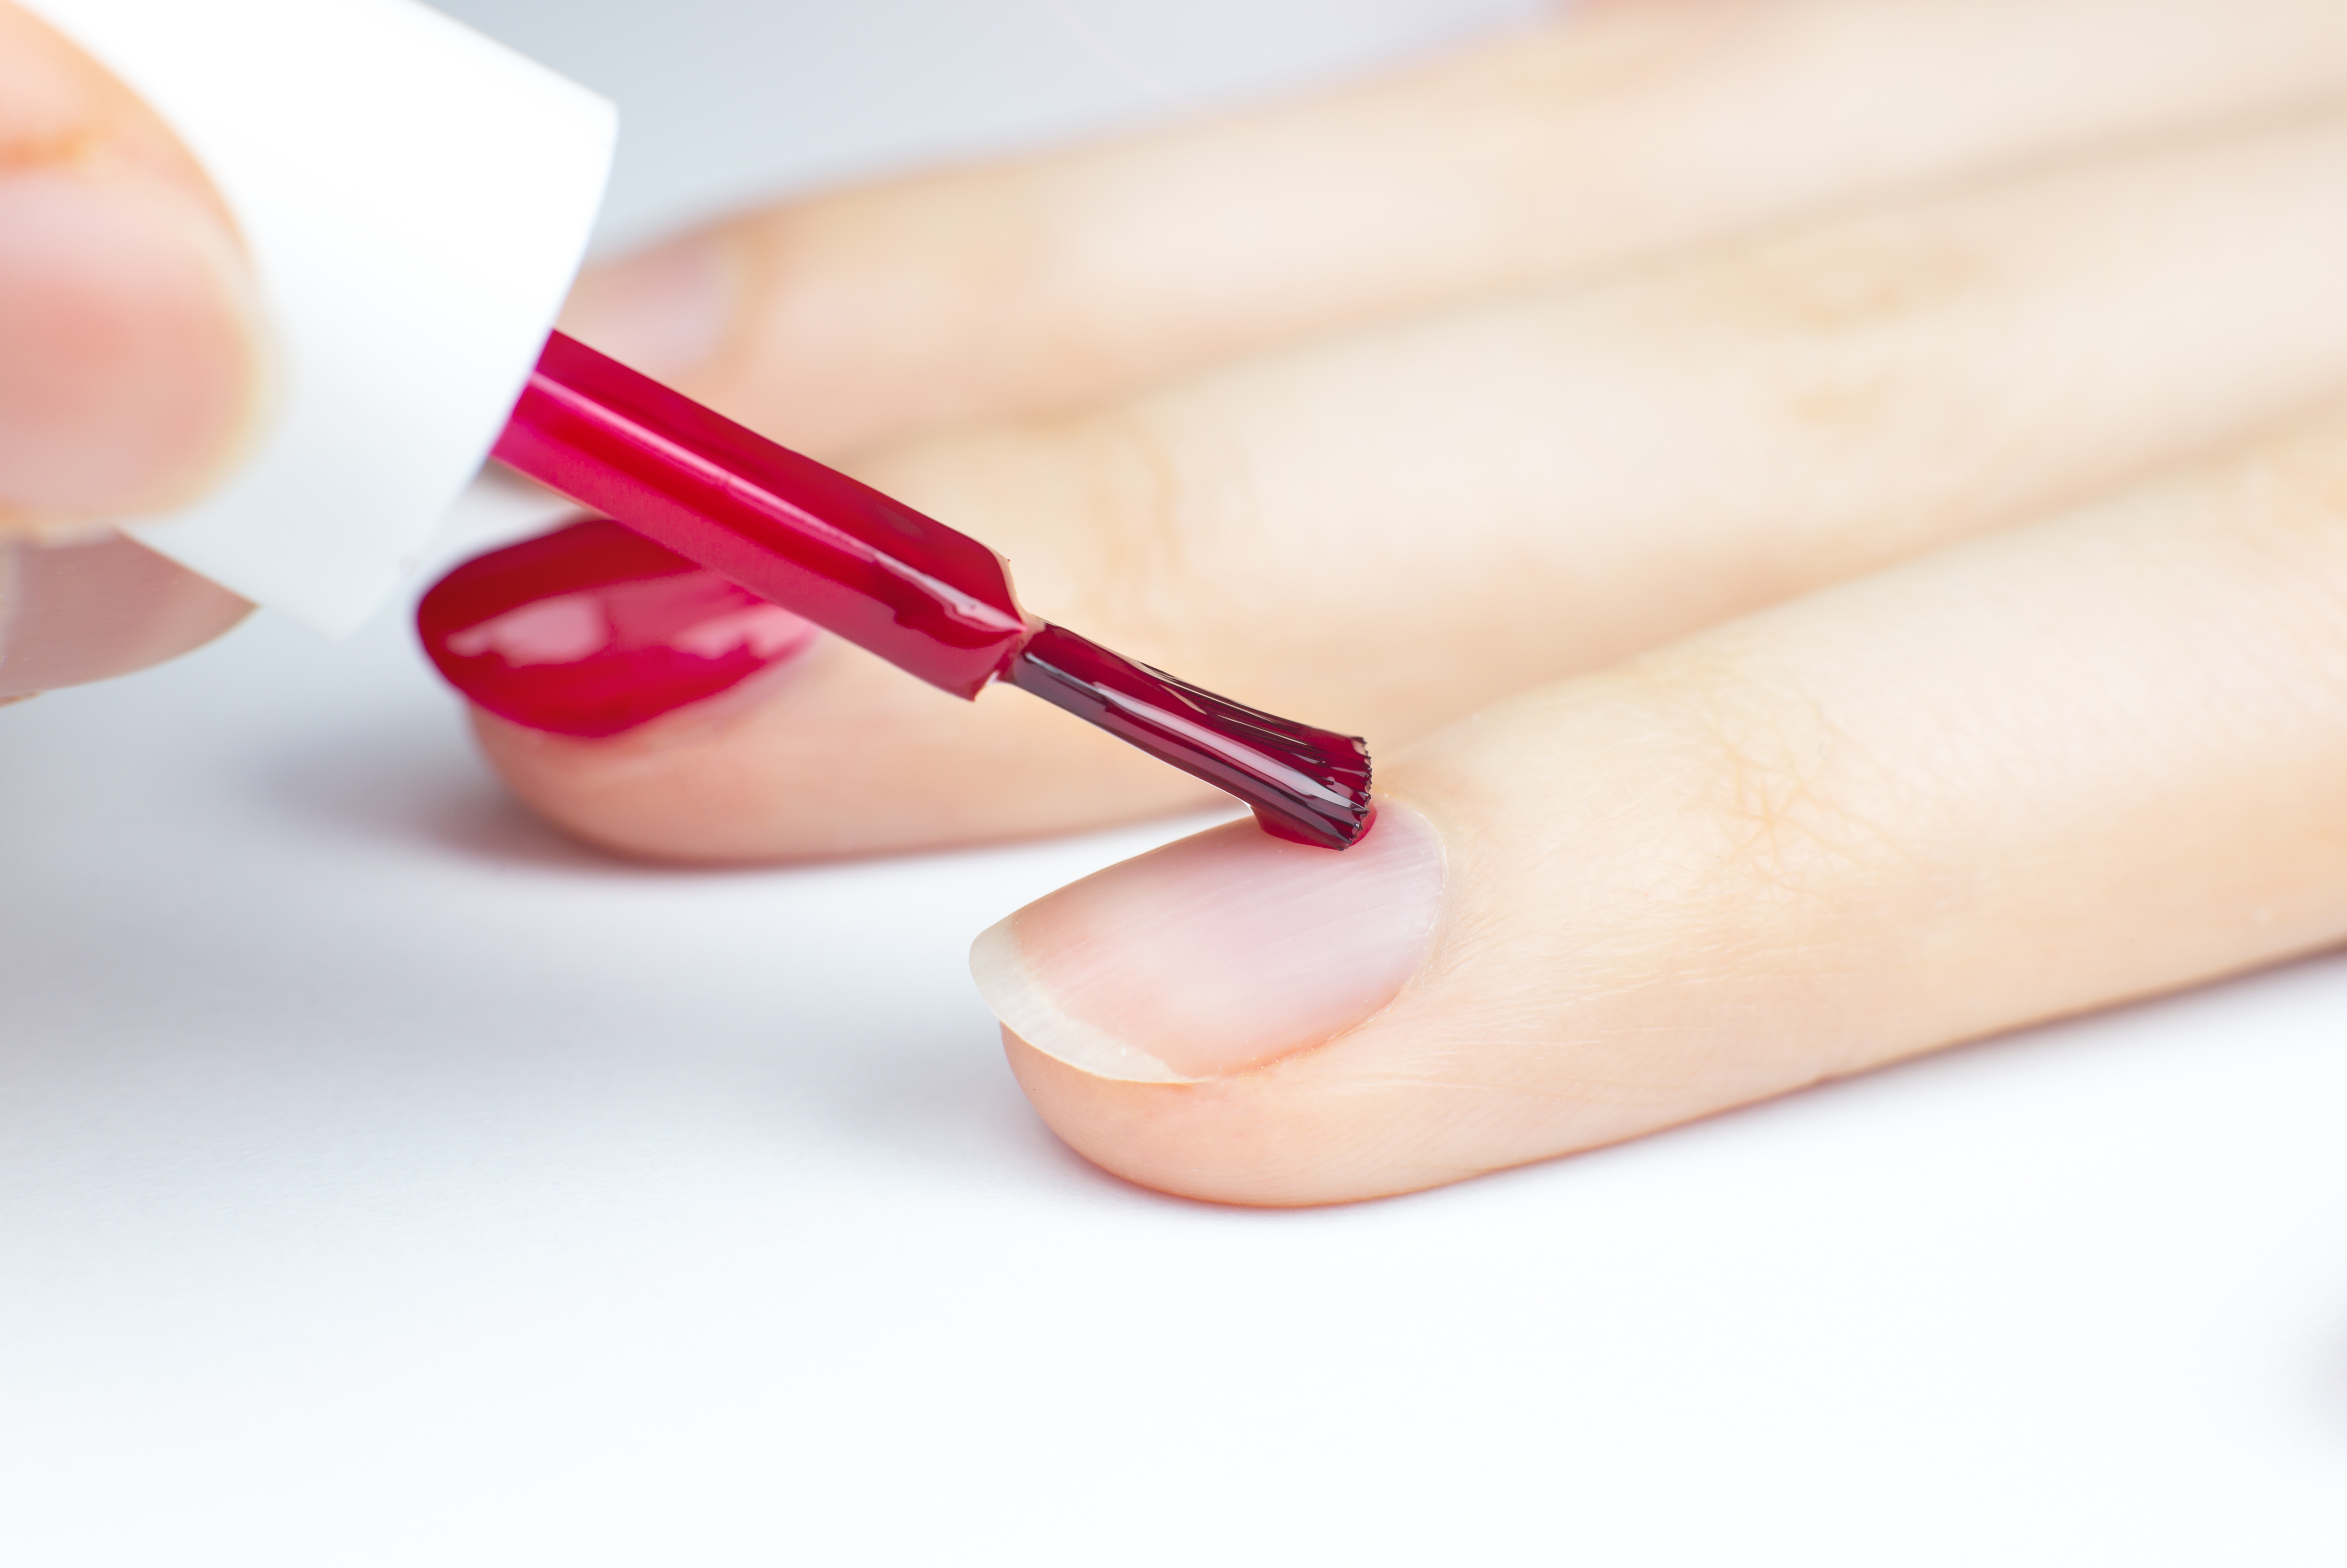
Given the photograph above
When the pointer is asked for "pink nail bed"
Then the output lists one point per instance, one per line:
(1216, 953)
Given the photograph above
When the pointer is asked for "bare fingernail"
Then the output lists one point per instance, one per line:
(130, 350)
(664, 310)
(1216, 953)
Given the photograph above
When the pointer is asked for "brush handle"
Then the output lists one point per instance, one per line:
(934, 603)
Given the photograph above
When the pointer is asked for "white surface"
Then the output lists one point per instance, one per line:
(384, 1181)
(726, 100)
(416, 200)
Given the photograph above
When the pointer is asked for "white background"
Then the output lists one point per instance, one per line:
(383, 1179)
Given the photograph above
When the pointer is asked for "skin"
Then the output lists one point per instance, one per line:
(1832, 513)
(133, 372)
(2091, 759)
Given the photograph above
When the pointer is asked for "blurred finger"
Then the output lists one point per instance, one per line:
(91, 609)
(131, 353)
(1618, 133)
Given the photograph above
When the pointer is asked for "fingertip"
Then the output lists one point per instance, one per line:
(1292, 1137)
(134, 363)
(1181, 1138)
(1179, 1020)
(91, 609)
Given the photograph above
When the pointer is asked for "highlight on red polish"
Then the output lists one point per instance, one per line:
(783, 531)
(594, 629)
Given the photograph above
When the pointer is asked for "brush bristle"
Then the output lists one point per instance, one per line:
(1306, 784)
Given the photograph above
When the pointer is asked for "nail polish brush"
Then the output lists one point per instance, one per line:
(934, 603)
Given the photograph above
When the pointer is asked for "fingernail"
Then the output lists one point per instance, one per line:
(1218, 953)
(663, 312)
(591, 631)
(130, 353)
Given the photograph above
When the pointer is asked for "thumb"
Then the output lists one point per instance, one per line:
(130, 351)
(133, 368)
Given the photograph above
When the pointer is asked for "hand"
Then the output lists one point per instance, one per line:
(131, 367)
(1490, 409)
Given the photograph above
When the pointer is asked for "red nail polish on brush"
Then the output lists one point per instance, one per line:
(795, 534)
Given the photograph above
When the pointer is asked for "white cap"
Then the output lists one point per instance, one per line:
(416, 200)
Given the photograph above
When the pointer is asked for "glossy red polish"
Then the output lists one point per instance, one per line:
(593, 630)
(931, 601)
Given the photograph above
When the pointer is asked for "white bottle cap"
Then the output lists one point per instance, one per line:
(416, 200)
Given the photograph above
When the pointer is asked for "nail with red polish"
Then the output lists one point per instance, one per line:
(594, 629)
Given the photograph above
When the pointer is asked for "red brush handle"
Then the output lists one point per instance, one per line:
(931, 601)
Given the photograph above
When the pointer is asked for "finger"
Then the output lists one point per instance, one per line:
(1618, 133)
(1379, 534)
(132, 367)
(2036, 775)
(130, 352)
(90, 610)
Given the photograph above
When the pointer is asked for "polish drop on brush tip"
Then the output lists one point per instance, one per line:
(1308, 785)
